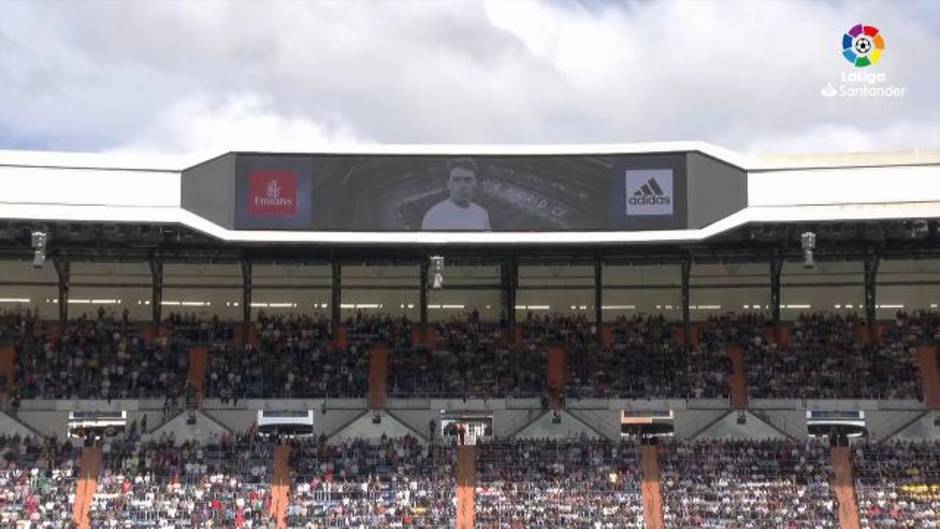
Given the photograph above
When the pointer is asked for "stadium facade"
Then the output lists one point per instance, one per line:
(685, 230)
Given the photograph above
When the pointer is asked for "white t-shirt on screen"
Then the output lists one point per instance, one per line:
(447, 215)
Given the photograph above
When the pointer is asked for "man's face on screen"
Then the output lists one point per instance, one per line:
(461, 183)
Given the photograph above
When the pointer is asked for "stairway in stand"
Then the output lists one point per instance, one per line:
(844, 486)
(280, 485)
(652, 494)
(87, 485)
(466, 486)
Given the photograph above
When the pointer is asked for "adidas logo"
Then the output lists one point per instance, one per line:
(650, 194)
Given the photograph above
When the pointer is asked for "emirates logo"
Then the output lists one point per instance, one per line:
(272, 193)
(273, 190)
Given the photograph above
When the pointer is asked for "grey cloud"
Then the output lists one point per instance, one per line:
(746, 75)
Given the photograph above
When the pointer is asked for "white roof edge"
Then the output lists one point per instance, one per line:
(177, 163)
(156, 162)
(94, 160)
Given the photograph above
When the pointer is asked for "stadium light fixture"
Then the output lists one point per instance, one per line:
(39, 240)
(437, 279)
(808, 240)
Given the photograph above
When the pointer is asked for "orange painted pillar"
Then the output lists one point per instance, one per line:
(517, 334)
(652, 494)
(863, 333)
(678, 334)
(557, 375)
(53, 329)
(342, 338)
(466, 486)
(253, 336)
(378, 376)
(770, 334)
(418, 335)
(198, 358)
(505, 337)
(844, 487)
(424, 335)
(87, 485)
(7, 363)
(280, 485)
(148, 333)
(737, 381)
(696, 334)
(784, 333)
(930, 375)
(607, 335)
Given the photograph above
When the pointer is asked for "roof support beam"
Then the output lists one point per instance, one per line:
(423, 292)
(686, 297)
(336, 295)
(156, 294)
(776, 269)
(871, 295)
(246, 291)
(509, 281)
(63, 270)
(598, 292)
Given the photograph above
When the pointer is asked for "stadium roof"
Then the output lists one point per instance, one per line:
(142, 192)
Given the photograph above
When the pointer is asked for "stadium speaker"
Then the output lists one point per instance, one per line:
(742, 417)
(936, 421)
(376, 418)
(556, 418)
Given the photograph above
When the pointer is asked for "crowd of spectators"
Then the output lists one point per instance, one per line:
(646, 361)
(825, 358)
(720, 484)
(101, 357)
(165, 484)
(363, 330)
(294, 358)
(575, 484)
(470, 359)
(898, 484)
(299, 357)
(37, 482)
(914, 328)
(191, 329)
(388, 483)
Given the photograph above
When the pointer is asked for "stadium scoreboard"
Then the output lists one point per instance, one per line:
(500, 193)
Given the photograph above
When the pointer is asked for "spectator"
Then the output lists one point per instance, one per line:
(747, 484)
(898, 484)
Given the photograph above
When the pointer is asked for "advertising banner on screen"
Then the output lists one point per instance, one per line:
(649, 192)
(272, 193)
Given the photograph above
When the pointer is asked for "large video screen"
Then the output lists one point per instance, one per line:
(460, 193)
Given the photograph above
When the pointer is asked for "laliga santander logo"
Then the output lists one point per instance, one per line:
(862, 45)
(272, 193)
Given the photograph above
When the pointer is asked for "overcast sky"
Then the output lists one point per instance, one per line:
(183, 77)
